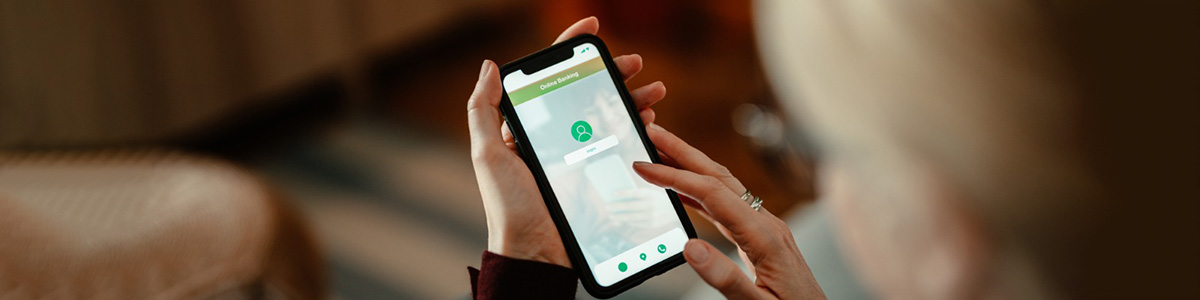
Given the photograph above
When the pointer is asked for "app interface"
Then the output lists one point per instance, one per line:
(586, 142)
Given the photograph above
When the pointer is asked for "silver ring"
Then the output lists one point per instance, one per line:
(756, 204)
(754, 201)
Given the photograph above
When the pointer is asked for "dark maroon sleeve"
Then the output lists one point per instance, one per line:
(502, 277)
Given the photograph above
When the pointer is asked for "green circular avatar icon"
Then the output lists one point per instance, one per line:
(581, 131)
(622, 267)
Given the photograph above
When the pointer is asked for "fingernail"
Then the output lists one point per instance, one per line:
(483, 69)
(655, 126)
(695, 251)
(640, 164)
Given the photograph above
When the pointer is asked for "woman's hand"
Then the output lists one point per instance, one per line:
(519, 225)
(765, 241)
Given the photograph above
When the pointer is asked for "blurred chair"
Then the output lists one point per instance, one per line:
(208, 76)
(79, 73)
(147, 224)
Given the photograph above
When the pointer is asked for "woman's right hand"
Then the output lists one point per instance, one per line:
(765, 242)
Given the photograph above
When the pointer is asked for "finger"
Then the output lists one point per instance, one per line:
(689, 158)
(483, 114)
(649, 94)
(704, 214)
(505, 133)
(717, 199)
(745, 259)
(719, 271)
(647, 116)
(694, 204)
(721, 229)
(589, 25)
(666, 159)
(629, 65)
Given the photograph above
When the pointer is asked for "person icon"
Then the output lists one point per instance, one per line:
(581, 131)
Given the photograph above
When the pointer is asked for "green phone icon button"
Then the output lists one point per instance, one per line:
(622, 267)
(662, 248)
(581, 131)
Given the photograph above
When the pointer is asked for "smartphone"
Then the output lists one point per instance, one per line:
(578, 131)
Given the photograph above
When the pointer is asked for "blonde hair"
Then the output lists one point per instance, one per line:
(1028, 107)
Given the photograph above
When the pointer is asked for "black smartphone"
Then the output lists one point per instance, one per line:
(578, 131)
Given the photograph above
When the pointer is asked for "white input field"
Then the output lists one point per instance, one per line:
(589, 150)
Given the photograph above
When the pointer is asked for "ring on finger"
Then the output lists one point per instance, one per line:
(756, 204)
(754, 201)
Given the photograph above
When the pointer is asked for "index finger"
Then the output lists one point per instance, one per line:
(589, 25)
(690, 158)
(717, 200)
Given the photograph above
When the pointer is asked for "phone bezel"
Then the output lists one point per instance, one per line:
(527, 153)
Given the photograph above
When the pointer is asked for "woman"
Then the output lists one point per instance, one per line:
(956, 160)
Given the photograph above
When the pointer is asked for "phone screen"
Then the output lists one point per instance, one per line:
(586, 142)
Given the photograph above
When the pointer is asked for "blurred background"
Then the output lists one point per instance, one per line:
(349, 114)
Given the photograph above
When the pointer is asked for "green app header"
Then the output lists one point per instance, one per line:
(555, 81)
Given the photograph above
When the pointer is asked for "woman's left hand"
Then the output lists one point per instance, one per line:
(519, 225)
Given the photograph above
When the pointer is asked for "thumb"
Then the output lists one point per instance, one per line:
(483, 113)
(719, 271)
